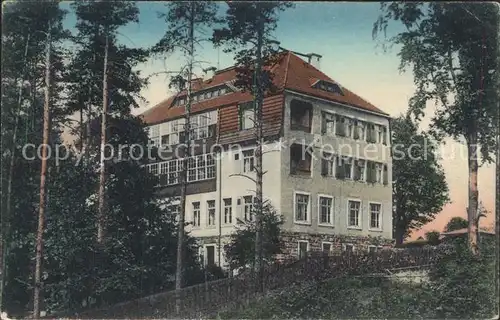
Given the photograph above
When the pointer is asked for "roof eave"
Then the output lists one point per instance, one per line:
(381, 114)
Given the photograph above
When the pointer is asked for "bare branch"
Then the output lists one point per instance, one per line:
(242, 175)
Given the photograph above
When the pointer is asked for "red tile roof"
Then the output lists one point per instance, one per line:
(290, 72)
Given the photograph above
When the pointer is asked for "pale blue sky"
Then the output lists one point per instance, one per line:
(342, 34)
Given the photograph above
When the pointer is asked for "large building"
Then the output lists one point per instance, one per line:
(327, 160)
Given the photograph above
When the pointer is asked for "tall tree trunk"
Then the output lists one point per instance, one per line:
(473, 192)
(179, 271)
(258, 153)
(102, 177)
(399, 228)
(43, 173)
(4, 246)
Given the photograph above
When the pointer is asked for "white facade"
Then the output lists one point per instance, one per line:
(331, 205)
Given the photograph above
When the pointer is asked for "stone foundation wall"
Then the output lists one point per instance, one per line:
(360, 243)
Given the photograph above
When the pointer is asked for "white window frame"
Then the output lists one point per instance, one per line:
(363, 178)
(226, 208)
(326, 224)
(372, 246)
(308, 220)
(193, 210)
(298, 247)
(208, 213)
(360, 214)
(249, 205)
(247, 115)
(379, 228)
(327, 242)
(344, 247)
(332, 161)
(249, 158)
(205, 251)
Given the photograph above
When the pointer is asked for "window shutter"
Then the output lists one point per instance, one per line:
(340, 169)
(324, 167)
(356, 130)
(384, 137)
(340, 129)
(323, 122)
(386, 175)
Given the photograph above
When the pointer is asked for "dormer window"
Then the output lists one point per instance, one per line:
(328, 86)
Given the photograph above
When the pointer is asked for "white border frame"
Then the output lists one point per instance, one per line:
(360, 226)
(298, 247)
(309, 206)
(380, 228)
(205, 252)
(344, 247)
(331, 224)
(327, 242)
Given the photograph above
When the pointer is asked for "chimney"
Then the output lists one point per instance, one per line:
(314, 60)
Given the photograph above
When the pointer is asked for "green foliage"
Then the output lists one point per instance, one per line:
(463, 283)
(419, 183)
(460, 286)
(456, 223)
(432, 237)
(240, 37)
(240, 251)
(453, 51)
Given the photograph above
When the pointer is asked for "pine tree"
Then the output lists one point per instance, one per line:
(119, 86)
(248, 34)
(185, 21)
(24, 50)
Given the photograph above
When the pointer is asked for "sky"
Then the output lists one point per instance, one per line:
(342, 34)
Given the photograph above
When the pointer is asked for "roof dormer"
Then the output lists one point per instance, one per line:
(328, 87)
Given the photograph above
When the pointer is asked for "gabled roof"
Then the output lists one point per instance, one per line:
(290, 73)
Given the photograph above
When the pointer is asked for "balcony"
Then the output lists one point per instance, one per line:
(300, 116)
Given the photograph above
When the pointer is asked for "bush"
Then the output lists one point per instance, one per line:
(463, 284)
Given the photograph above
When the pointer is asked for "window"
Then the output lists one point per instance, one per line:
(340, 126)
(228, 211)
(153, 169)
(248, 161)
(348, 247)
(325, 208)
(372, 249)
(301, 207)
(359, 170)
(248, 208)
(163, 173)
(300, 115)
(328, 124)
(303, 248)
(379, 173)
(211, 212)
(384, 135)
(344, 168)
(210, 255)
(326, 247)
(375, 215)
(300, 160)
(328, 164)
(353, 220)
(328, 86)
(371, 134)
(196, 214)
(349, 123)
(359, 130)
(247, 116)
